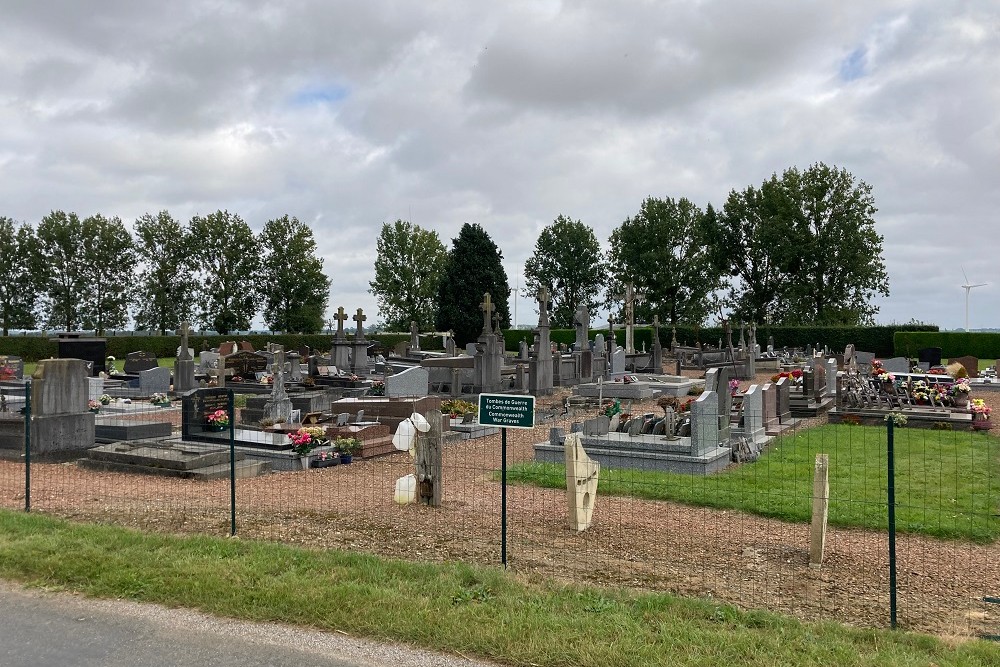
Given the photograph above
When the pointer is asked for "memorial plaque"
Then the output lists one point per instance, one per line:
(246, 364)
(198, 405)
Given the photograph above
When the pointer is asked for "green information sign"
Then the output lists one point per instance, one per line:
(507, 411)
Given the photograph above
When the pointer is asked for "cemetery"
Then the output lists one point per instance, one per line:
(732, 428)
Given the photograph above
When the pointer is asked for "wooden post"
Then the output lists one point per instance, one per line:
(428, 461)
(821, 502)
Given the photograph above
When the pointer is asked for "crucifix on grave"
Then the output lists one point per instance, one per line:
(341, 317)
(543, 305)
(360, 318)
(278, 407)
(487, 306)
(630, 296)
(184, 366)
(185, 353)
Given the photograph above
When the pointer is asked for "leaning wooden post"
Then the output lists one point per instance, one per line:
(821, 503)
(428, 461)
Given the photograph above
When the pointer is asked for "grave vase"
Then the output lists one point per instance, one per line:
(216, 427)
(961, 400)
(304, 460)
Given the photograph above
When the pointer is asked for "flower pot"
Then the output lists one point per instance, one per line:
(981, 424)
(95, 410)
(217, 427)
(961, 400)
(346, 458)
(326, 463)
(304, 460)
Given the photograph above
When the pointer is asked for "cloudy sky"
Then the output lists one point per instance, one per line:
(351, 114)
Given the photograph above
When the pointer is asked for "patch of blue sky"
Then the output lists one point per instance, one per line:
(313, 95)
(853, 66)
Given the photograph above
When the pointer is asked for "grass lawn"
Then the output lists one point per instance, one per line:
(451, 607)
(947, 482)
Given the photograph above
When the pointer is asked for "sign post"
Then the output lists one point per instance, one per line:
(505, 411)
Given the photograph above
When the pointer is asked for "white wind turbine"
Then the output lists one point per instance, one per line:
(968, 288)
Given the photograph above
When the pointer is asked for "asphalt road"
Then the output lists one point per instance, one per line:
(39, 629)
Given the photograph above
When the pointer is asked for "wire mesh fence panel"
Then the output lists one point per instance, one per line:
(740, 534)
(948, 520)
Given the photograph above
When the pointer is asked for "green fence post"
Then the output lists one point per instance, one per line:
(892, 520)
(232, 463)
(27, 446)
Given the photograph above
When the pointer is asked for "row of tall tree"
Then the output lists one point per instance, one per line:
(73, 273)
(799, 249)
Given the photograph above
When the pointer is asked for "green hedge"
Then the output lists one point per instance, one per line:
(33, 348)
(952, 343)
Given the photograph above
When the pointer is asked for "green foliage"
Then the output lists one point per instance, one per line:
(228, 258)
(985, 345)
(802, 249)
(109, 269)
(452, 607)
(18, 284)
(664, 251)
(295, 289)
(165, 286)
(474, 268)
(408, 270)
(946, 478)
(568, 261)
(61, 269)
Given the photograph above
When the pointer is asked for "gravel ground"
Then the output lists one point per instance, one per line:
(726, 555)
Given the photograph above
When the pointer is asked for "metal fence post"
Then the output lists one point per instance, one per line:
(232, 462)
(891, 490)
(27, 446)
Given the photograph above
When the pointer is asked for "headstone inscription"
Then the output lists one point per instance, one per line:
(246, 365)
(197, 405)
(139, 361)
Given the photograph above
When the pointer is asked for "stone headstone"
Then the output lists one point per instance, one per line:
(522, 350)
(14, 364)
(411, 382)
(294, 367)
(90, 349)
(784, 409)
(154, 381)
(581, 322)
(769, 403)
(896, 365)
(819, 381)
(59, 387)
(208, 360)
(864, 360)
(850, 359)
(634, 426)
(139, 361)
(246, 364)
(618, 362)
(599, 347)
(753, 413)
(831, 377)
(930, 355)
(704, 423)
(599, 425)
(971, 364)
(278, 407)
(414, 337)
(95, 387)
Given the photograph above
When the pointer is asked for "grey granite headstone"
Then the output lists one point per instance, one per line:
(634, 426)
(769, 401)
(704, 423)
(208, 360)
(599, 425)
(411, 382)
(294, 367)
(896, 365)
(784, 411)
(618, 362)
(753, 413)
(831, 377)
(615, 422)
(154, 381)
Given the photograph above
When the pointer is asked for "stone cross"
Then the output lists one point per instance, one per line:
(414, 335)
(341, 317)
(656, 330)
(543, 306)
(487, 307)
(185, 330)
(360, 317)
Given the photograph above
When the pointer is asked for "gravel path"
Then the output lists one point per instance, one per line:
(727, 555)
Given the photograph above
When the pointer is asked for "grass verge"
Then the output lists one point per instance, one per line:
(947, 482)
(448, 607)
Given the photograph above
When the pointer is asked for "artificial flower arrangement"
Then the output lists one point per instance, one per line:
(6, 372)
(960, 387)
(219, 418)
(795, 376)
(159, 398)
(920, 391)
(939, 393)
(109, 365)
(307, 439)
(93, 405)
(105, 399)
(734, 387)
(980, 408)
(377, 388)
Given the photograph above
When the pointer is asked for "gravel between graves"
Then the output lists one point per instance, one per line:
(725, 555)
